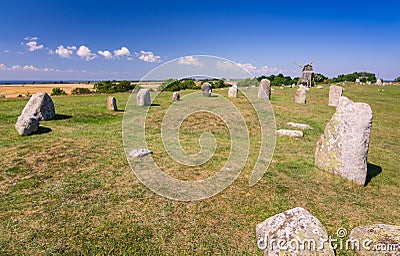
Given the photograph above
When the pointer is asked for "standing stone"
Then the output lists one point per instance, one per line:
(335, 92)
(264, 90)
(294, 232)
(112, 104)
(41, 106)
(380, 239)
(26, 125)
(379, 82)
(176, 96)
(343, 148)
(300, 96)
(143, 98)
(206, 88)
(358, 80)
(233, 91)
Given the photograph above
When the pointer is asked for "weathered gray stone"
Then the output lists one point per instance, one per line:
(41, 106)
(300, 126)
(300, 96)
(143, 98)
(112, 104)
(343, 148)
(379, 82)
(264, 90)
(294, 232)
(140, 152)
(206, 88)
(335, 92)
(290, 133)
(377, 239)
(26, 125)
(176, 96)
(233, 92)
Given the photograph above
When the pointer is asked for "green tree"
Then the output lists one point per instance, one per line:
(58, 91)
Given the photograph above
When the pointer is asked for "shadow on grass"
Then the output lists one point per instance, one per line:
(154, 105)
(61, 117)
(43, 130)
(372, 171)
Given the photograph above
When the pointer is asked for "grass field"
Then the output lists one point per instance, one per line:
(69, 189)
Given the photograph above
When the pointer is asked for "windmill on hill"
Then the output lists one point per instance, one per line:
(307, 74)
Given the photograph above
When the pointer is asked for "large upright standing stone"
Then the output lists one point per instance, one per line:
(206, 88)
(294, 232)
(343, 148)
(112, 104)
(233, 91)
(335, 92)
(41, 106)
(300, 96)
(143, 98)
(264, 90)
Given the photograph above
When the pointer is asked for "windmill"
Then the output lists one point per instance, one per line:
(307, 74)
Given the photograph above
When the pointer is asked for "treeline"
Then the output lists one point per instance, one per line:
(173, 85)
(363, 76)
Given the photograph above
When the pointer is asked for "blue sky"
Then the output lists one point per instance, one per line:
(126, 39)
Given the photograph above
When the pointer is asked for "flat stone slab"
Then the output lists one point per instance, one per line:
(300, 126)
(293, 232)
(140, 152)
(290, 133)
(377, 239)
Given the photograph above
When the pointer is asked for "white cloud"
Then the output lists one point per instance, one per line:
(148, 56)
(64, 52)
(106, 54)
(3, 66)
(34, 46)
(190, 60)
(16, 67)
(264, 70)
(30, 67)
(31, 38)
(85, 53)
(122, 52)
(130, 59)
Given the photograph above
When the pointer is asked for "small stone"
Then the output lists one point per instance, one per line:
(320, 87)
(264, 90)
(206, 88)
(176, 96)
(112, 104)
(300, 126)
(143, 98)
(377, 239)
(285, 233)
(140, 152)
(335, 92)
(300, 96)
(290, 133)
(27, 125)
(233, 92)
